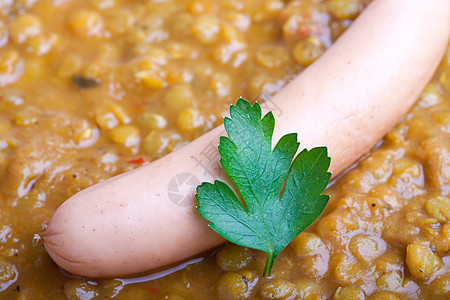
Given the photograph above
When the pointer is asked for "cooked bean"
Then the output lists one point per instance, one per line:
(205, 28)
(349, 293)
(232, 286)
(308, 290)
(151, 121)
(344, 9)
(179, 97)
(278, 289)
(439, 208)
(365, 248)
(272, 56)
(307, 243)
(24, 27)
(391, 281)
(308, 50)
(421, 261)
(126, 135)
(87, 23)
(233, 258)
(158, 143)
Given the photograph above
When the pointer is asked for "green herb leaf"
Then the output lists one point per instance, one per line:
(280, 197)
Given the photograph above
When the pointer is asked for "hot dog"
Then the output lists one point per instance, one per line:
(347, 100)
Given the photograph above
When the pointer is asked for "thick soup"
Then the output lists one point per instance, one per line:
(91, 89)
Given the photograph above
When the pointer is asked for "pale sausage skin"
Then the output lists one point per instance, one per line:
(347, 100)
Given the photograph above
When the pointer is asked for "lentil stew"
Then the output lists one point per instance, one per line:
(91, 89)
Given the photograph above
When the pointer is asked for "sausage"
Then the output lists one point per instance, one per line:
(347, 100)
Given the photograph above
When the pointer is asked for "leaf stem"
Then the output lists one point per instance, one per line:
(269, 264)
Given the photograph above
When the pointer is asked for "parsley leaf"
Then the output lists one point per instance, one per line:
(280, 197)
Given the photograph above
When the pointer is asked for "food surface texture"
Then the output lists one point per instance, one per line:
(91, 89)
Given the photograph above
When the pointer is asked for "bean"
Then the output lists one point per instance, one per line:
(443, 119)
(205, 28)
(233, 258)
(446, 232)
(8, 61)
(24, 27)
(437, 155)
(308, 290)
(439, 208)
(267, 10)
(190, 120)
(347, 270)
(120, 20)
(105, 118)
(337, 224)
(391, 281)
(158, 143)
(41, 44)
(25, 118)
(87, 23)
(407, 167)
(179, 97)
(421, 261)
(265, 83)
(70, 65)
(221, 84)
(349, 293)
(233, 54)
(181, 26)
(430, 96)
(109, 114)
(82, 131)
(8, 271)
(176, 75)
(308, 50)
(272, 56)
(154, 78)
(231, 34)
(388, 262)
(306, 243)
(151, 121)
(179, 50)
(239, 20)
(110, 288)
(278, 289)
(344, 9)
(232, 286)
(126, 135)
(364, 248)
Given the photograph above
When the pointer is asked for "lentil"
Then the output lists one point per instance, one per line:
(163, 73)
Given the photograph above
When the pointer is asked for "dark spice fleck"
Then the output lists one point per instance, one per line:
(374, 204)
(83, 83)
